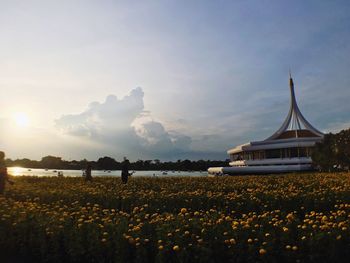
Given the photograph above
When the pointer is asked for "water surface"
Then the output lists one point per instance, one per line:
(17, 171)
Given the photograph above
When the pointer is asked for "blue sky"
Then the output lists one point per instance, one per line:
(166, 79)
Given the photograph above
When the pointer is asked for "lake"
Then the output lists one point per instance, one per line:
(17, 171)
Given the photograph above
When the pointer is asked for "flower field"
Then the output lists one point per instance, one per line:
(283, 218)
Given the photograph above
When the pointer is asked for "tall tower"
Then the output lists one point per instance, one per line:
(295, 125)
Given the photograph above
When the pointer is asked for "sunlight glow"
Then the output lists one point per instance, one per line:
(15, 171)
(21, 119)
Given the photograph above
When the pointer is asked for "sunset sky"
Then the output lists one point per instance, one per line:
(166, 79)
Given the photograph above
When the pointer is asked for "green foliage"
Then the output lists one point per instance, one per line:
(333, 153)
(343, 148)
(108, 163)
(324, 154)
(51, 162)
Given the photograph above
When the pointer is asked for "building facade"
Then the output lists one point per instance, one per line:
(289, 149)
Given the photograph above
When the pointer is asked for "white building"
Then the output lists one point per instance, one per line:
(287, 150)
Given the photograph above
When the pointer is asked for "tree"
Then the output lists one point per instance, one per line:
(51, 162)
(323, 155)
(343, 148)
(107, 163)
(333, 152)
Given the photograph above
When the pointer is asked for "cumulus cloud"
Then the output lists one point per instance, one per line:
(105, 118)
(123, 127)
(155, 136)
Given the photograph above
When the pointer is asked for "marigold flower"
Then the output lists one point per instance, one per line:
(232, 241)
(176, 248)
(262, 251)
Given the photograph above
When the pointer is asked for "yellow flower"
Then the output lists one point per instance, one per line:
(232, 241)
(290, 217)
(176, 248)
(262, 251)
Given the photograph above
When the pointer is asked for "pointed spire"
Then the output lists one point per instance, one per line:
(291, 84)
(295, 121)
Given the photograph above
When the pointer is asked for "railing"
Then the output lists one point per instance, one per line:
(272, 161)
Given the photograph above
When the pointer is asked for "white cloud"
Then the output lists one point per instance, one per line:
(122, 127)
(156, 137)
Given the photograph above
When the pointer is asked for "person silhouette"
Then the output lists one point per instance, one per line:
(88, 176)
(125, 170)
(3, 173)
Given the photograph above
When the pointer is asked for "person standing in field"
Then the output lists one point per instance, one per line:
(3, 173)
(88, 176)
(125, 170)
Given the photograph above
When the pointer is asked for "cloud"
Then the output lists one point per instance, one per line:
(123, 127)
(111, 116)
(155, 136)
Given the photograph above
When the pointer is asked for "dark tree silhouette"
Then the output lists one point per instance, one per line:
(333, 153)
(109, 163)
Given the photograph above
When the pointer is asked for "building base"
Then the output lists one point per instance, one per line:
(268, 169)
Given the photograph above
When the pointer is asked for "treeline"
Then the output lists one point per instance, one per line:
(108, 163)
(333, 153)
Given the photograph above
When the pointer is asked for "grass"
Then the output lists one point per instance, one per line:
(282, 218)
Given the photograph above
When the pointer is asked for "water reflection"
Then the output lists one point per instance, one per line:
(17, 171)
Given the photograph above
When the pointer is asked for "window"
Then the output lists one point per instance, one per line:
(236, 157)
(259, 155)
(302, 152)
(293, 152)
(273, 153)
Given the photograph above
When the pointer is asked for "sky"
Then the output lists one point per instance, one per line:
(166, 79)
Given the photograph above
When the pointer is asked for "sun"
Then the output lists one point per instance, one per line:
(21, 119)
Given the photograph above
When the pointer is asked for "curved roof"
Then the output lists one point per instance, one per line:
(295, 125)
(295, 131)
(302, 133)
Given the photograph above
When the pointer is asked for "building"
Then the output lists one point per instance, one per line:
(289, 149)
